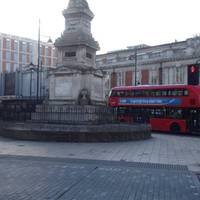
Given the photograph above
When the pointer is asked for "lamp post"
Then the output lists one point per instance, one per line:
(38, 64)
(31, 71)
(134, 57)
(34, 68)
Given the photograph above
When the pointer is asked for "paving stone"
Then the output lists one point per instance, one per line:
(24, 178)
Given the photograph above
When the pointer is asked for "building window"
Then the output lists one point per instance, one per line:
(47, 61)
(7, 67)
(70, 54)
(24, 58)
(30, 47)
(46, 52)
(8, 55)
(31, 58)
(7, 44)
(15, 67)
(88, 55)
(179, 75)
(120, 78)
(23, 47)
(153, 77)
(15, 45)
(15, 57)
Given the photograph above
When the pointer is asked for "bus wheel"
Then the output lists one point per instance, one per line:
(175, 128)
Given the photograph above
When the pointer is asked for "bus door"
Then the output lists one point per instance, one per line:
(194, 119)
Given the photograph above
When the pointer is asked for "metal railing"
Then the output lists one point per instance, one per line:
(68, 114)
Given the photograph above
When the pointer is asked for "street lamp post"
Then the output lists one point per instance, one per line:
(34, 68)
(31, 71)
(38, 64)
(134, 57)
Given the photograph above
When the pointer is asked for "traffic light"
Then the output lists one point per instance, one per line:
(193, 74)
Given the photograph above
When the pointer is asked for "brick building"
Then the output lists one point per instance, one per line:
(16, 55)
(17, 52)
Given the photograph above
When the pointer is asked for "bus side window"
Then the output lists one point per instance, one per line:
(180, 92)
(118, 94)
(146, 93)
(137, 93)
(153, 93)
(127, 93)
(169, 93)
(174, 92)
(113, 94)
(164, 92)
(122, 94)
(158, 93)
(132, 93)
(185, 92)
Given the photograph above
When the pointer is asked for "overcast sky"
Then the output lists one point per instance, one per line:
(117, 23)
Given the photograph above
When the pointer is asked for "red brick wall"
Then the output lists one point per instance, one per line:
(4, 43)
(27, 58)
(20, 57)
(4, 66)
(128, 78)
(12, 56)
(49, 51)
(43, 60)
(4, 55)
(12, 44)
(12, 67)
(49, 61)
(113, 79)
(43, 50)
(145, 76)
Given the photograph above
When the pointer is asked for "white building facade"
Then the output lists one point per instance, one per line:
(161, 64)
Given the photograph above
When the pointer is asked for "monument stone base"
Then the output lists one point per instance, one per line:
(76, 87)
(76, 133)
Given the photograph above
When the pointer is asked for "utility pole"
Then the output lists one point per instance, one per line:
(38, 64)
(134, 57)
(135, 66)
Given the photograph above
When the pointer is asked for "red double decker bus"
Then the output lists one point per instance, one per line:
(171, 108)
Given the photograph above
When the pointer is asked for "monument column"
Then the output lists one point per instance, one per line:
(76, 79)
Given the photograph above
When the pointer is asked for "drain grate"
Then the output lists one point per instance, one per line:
(158, 166)
(121, 163)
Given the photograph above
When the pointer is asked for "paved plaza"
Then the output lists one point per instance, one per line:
(161, 168)
(161, 148)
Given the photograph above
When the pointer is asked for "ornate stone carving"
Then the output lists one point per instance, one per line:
(84, 97)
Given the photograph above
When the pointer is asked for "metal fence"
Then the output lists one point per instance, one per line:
(18, 109)
(73, 114)
(33, 111)
(24, 83)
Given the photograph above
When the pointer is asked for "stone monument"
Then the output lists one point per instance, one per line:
(76, 79)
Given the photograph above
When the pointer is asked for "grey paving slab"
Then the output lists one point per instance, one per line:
(24, 178)
(161, 148)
